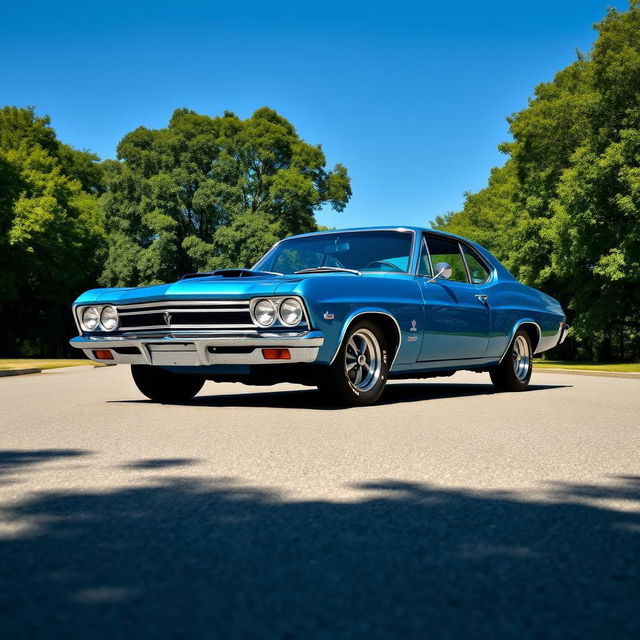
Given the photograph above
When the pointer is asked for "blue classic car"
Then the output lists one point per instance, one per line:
(341, 310)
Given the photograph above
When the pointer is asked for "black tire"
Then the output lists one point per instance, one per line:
(514, 372)
(368, 365)
(164, 386)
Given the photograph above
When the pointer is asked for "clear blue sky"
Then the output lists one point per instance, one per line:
(410, 96)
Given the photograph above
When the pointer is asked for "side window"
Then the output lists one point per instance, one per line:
(444, 250)
(477, 270)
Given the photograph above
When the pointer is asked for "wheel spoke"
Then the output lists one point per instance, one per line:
(363, 360)
(521, 358)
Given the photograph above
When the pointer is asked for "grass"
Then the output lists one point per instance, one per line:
(624, 367)
(40, 363)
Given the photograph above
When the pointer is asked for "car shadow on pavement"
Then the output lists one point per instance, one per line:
(205, 558)
(395, 393)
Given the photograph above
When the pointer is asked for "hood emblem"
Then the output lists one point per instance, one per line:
(167, 318)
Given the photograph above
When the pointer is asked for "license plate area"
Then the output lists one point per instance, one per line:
(175, 354)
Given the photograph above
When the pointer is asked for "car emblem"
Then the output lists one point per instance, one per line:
(413, 326)
(328, 316)
(167, 318)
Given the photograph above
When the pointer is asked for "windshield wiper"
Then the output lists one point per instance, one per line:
(329, 270)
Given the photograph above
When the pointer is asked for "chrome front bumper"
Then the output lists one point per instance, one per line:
(193, 349)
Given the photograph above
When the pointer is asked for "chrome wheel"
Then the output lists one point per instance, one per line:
(363, 360)
(521, 357)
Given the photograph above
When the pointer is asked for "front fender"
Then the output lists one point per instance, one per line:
(333, 302)
(334, 330)
(354, 315)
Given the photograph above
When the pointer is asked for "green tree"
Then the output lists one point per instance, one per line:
(564, 211)
(206, 193)
(50, 234)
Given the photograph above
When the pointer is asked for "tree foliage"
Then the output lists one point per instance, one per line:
(564, 211)
(206, 193)
(50, 232)
(201, 194)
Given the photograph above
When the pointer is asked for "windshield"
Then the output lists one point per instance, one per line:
(360, 250)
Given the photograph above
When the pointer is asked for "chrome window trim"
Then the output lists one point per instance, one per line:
(464, 262)
(426, 246)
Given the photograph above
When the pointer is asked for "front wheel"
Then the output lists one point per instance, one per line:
(359, 371)
(514, 372)
(164, 386)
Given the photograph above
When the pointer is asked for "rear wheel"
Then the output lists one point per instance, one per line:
(359, 371)
(514, 372)
(164, 386)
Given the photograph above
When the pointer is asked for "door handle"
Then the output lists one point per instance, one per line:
(482, 297)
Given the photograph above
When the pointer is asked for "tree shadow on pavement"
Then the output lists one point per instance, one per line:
(12, 460)
(201, 558)
(160, 463)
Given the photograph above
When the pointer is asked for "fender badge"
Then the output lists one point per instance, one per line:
(413, 325)
(328, 316)
(412, 339)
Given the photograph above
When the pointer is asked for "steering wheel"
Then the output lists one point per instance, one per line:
(394, 267)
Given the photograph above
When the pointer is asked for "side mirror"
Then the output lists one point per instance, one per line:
(443, 270)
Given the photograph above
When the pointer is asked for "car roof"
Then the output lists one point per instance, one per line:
(416, 230)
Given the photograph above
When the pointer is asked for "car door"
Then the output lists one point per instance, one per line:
(457, 311)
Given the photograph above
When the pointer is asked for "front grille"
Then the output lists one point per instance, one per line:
(219, 314)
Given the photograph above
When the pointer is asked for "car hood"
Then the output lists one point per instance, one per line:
(207, 288)
(216, 287)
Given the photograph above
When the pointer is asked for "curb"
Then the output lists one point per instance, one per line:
(587, 372)
(18, 372)
(95, 365)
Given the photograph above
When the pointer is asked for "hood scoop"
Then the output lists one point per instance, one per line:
(231, 273)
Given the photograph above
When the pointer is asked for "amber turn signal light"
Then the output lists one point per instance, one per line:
(103, 354)
(276, 354)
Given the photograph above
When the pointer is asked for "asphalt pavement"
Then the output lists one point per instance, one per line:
(446, 511)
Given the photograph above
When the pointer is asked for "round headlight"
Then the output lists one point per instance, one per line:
(290, 311)
(265, 313)
(90, 318)
(109, 318)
